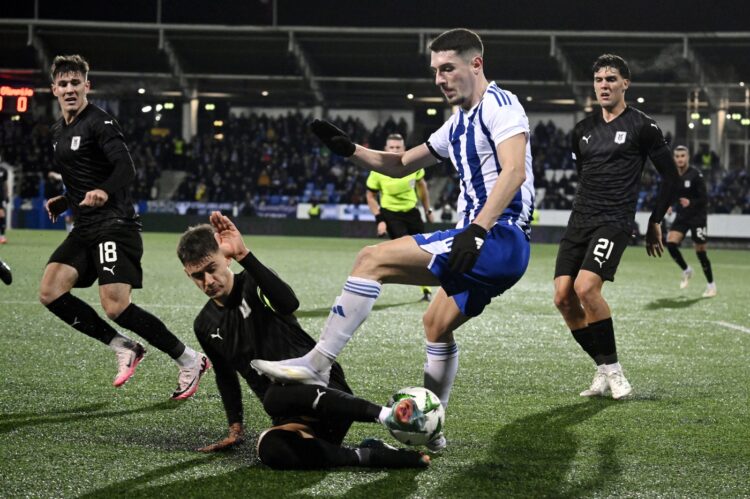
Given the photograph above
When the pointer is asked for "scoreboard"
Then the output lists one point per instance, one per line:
(15, 100)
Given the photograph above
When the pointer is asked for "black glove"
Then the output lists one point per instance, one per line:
(466, 247)
(333, 137)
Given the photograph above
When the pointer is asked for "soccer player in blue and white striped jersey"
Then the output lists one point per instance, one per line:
(487, 140)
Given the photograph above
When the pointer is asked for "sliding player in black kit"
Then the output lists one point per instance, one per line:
(249, 315)
(97, 170)
(610, 149)
(691, 216)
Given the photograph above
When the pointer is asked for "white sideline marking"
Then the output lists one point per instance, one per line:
(736, 327)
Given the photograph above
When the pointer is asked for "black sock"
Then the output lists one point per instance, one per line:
(150, 328)
(319, 402)
(674, 250)
(288, 450)
(604, 332)
(82, 317)
(2, 226)
(585, 337)
(706, 264)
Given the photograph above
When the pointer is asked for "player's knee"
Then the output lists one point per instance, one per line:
(367, 260)
(563, 301)
(275, 449)
(48, 295)
(113, 308)
(586, 291)
(49, 292)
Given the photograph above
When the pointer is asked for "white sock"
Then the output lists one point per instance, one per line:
(601, 369)
(384, 413)
(440, 369)
(348, 312)
(612, 368)
(187, 358)
(121, 341)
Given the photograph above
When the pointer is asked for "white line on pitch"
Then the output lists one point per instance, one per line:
(733, 326)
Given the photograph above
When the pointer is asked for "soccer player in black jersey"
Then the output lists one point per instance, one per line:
(97, 170)
(610, 149)
(691, 215)
(250, 314)
(3, 197)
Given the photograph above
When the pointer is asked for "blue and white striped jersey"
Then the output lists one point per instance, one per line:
(470, 140)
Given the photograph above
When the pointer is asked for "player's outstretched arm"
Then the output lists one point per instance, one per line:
(228, 236)
(395, 165)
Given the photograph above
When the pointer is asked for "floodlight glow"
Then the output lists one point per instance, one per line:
(210, 107)
(146, 109)
(141, 91)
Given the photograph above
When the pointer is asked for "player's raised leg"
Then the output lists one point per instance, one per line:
(399, 261)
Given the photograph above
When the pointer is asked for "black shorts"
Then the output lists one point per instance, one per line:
(696, 226)
(596, 249)
(112, 256)
(402, 223)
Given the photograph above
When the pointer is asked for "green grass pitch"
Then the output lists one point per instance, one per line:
(516, 425)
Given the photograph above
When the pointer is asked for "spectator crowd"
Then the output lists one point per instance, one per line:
(257, 159)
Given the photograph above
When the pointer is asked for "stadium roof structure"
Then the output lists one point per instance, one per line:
(372, 67)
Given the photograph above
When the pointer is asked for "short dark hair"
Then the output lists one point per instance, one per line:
(611, 61)
(69, 64)
(394, 136)
(196, 244)
(461, 40)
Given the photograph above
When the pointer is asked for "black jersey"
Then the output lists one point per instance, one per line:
(256, 322)
(3, 179)
(90, 153)
(693, 187)
(610, 159)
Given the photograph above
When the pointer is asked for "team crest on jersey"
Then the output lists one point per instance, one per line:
(75, 143)
(620, 137)
(687, 184)
(245, 309)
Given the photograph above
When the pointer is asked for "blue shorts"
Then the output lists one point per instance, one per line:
(502, 262)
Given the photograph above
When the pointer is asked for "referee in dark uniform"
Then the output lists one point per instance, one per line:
(691, 215)
(610, 149)
(249, 315)
(97, 170)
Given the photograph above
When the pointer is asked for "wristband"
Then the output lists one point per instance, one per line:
(379, 218)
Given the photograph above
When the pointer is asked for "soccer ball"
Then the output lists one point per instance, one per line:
(430, 417)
